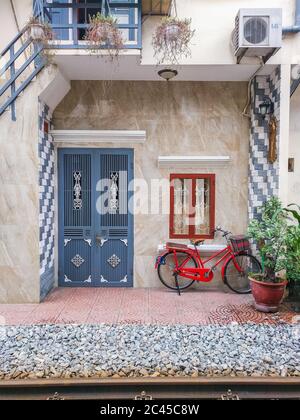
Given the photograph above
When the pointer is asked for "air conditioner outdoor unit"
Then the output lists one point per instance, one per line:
(257, 33)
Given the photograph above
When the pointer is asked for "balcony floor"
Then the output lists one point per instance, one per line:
(140, 306)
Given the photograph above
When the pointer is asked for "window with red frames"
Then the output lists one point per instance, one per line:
(192, 211)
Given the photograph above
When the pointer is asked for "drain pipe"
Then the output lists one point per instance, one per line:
(295, 29)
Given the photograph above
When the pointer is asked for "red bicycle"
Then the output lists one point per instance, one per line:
(179, 266)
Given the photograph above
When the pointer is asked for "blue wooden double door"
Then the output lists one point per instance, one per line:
(95, 219)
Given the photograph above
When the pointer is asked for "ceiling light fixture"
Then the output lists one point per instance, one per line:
(168, 74)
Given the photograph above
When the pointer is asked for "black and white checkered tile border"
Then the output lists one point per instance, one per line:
(263, 176)
(46, 197)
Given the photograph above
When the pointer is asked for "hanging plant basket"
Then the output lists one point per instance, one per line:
(103, 34)
(171, 40)
(172, 32)
(39, 32)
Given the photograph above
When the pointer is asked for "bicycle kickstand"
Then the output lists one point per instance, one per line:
(177, 286)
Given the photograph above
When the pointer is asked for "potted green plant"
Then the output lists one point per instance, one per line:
(293, 251)
(270, 232)
(171, 40)
(38, 31)
(103, 33)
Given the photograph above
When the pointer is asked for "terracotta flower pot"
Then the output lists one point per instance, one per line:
(172, 32)
(267, 296)
(37, 32)
(102, 30)
(104, 34)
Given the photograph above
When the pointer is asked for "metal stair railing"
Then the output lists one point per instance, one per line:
(18, 76)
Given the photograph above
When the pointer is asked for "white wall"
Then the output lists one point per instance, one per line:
(294, 148)
(8, 26)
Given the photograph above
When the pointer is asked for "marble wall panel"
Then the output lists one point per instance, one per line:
(19, 198)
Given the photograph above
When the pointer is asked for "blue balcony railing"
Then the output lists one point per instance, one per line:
(70, 19)
(22, 62)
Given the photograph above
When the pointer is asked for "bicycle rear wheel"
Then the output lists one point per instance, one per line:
(238, 281)
(166, 270)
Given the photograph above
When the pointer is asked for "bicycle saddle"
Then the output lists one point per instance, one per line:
(197, 243)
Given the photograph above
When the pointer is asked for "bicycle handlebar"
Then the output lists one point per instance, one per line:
(225, 232)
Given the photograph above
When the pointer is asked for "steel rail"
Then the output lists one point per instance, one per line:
(152, 388)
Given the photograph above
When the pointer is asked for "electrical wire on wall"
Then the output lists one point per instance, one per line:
(245, 111)
(262, 64)
(17, 24)
(15, 15)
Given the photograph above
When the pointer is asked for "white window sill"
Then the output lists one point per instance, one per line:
(192, 161)
(203, 249)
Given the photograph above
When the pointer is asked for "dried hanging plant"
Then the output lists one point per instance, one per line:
(41, 34)
(38, 31)
(104, 34)
(171, 40)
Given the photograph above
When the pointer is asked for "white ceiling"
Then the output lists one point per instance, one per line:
(87, 67)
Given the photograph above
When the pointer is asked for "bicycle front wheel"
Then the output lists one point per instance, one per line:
(167, 267)
(237, 271)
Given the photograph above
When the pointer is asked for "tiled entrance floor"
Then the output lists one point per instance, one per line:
(157, 306)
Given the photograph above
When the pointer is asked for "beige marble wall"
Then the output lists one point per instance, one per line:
(181, 118)
(19, 198)
(294, 149)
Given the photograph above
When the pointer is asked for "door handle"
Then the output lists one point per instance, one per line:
(100, 240)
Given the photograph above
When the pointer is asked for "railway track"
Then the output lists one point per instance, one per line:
(156, 389)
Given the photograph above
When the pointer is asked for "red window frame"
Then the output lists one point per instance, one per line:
(192, 227)
(46, 127)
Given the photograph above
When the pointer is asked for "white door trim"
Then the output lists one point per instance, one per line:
(76, 137)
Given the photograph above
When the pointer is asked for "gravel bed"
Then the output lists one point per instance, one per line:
(101, 351)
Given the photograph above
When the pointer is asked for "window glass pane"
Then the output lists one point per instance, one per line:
(193, 206)
(124, 1)
(60, 16)
(202, 210)
(85, 14)
(126, 16)
(65, 17)
(182, 197)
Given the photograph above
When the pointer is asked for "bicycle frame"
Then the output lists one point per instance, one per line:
(201, 273)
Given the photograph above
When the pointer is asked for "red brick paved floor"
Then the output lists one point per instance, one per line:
(156, 306)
